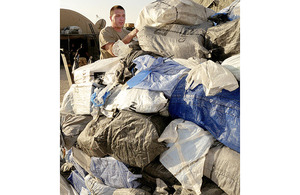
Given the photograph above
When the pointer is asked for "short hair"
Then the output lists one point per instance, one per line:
(114, 8)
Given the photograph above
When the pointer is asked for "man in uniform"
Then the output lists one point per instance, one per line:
(111, 34)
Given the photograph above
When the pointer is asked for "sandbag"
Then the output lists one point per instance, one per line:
(86, 140)
(223, 40)
(72, 125)
(178, 41)
(219, 114)
(159, 13)
(188, 144)
(222, 166)
(132, 137)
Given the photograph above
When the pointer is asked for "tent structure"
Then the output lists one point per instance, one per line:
(88, 34)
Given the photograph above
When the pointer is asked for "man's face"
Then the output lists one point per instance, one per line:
(118, 18)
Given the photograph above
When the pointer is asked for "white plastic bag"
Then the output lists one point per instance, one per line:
(188, 144)
(82, 98)
(233, 65)
(140, 100)
(213, 76)
(68, 102)
(120, 49)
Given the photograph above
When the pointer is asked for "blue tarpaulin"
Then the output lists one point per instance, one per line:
(77, 181)
(219, 114)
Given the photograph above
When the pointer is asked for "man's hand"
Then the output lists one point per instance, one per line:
(125, 40)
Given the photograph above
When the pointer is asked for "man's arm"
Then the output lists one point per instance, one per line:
(108, 47)
(130, 36)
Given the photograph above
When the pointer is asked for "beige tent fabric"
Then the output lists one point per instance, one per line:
(215, 5)
(73, 18)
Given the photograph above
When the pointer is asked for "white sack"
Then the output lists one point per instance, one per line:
(213, 76)
(140, 100)
(233, 65)
(68, 102)
(82, 98)
(85, 74)
(159, 13)
(222, 166)
(178, 41)
(185, 158)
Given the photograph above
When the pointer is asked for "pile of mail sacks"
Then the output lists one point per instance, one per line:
(163, 116)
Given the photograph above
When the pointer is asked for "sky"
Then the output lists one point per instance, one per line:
(93, 8)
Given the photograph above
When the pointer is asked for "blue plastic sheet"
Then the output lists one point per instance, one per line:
(219, 114)
(157, 74)
(79, 169)
(113, 173)
(77, 181)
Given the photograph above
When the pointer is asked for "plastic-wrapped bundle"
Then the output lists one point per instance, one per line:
(219, 114)
(157, 74)
(159, 13)
(72, 125)
(86, 140)
(222, 166)
(178, 41)
(188, 144)
(132, 138)
(113, 173)
(223, 40)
